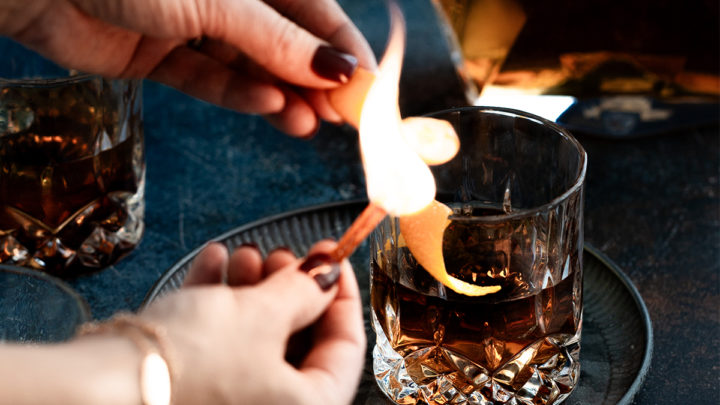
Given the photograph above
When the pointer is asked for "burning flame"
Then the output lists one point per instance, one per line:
(395, 155)
(398, 180)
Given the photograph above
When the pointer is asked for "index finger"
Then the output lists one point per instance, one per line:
(209, 267)
(327, 20)
(277, 43)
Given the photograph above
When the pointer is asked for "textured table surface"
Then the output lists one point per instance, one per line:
(651, 203)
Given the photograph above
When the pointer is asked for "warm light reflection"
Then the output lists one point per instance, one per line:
(549, 107)
(397, 178)
(155, 384)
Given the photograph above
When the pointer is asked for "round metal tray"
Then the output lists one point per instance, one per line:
(617, 333)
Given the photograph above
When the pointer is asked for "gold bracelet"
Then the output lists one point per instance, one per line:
(156, 371)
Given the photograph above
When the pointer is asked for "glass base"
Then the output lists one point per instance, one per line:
(544, 372)
(115, 225)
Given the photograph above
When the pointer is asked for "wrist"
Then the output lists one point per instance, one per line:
(86, 370)
(150, 340)
(108, 371)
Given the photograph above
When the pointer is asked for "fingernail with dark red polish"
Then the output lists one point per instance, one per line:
(248, 245)
(333, 65)
(322, 268)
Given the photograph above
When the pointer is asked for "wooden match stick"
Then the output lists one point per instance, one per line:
(358, 231)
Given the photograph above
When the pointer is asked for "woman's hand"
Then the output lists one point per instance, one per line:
(271, 57)
(273, 335)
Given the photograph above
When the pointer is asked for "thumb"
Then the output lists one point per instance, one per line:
(305, 287)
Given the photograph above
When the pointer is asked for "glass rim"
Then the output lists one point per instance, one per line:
(577, 183)
(82, 305)
(50, 80)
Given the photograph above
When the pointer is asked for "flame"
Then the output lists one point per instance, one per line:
(396, 154)
(398, 180)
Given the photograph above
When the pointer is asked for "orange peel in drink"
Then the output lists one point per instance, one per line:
(423, 234)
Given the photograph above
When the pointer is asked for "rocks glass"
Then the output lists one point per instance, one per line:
(516, 193)
(72, 166)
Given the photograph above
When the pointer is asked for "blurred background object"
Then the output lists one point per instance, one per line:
(600, 67)
(72, 165)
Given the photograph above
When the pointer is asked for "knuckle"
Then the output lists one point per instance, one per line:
(254, 298)
(199, 16)
(203, 17)
(284, 43)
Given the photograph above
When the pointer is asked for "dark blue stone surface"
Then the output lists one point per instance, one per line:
(652, 204)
